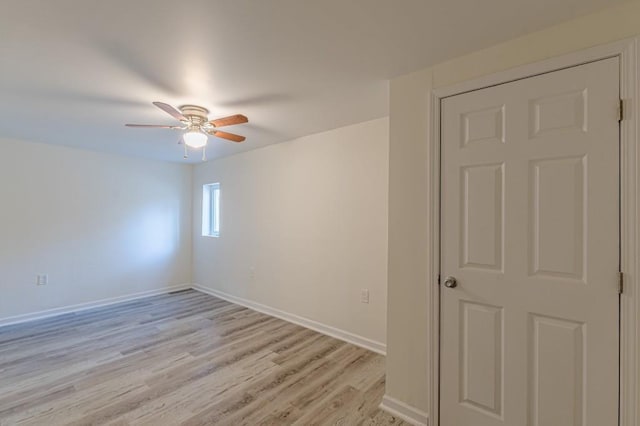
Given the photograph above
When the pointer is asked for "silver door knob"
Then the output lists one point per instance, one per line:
(450, 282)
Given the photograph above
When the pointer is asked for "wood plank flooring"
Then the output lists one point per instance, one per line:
(185, 358)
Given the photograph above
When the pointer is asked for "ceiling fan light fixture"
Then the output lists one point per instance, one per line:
(195, 138)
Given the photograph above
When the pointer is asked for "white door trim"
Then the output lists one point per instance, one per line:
(628, 51)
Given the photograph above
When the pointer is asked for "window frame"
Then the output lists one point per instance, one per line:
(211, 210)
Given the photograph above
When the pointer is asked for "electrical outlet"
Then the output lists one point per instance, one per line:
(42, 279)
(364, 295)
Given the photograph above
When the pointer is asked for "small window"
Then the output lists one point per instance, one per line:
(211, 210)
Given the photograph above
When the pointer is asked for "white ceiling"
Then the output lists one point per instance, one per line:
(72, 72)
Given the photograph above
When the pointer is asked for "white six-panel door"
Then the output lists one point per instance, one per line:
(530, 213)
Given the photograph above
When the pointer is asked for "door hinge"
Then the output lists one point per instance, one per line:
(620, 282)
(621, 110)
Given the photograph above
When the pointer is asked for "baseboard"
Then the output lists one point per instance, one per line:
(355, 339)
(404, 411)
(89, 305)
(348, 337)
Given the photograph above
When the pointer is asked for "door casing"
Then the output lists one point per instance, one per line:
(628, 51)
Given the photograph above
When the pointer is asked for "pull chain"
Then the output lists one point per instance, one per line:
(186, 154)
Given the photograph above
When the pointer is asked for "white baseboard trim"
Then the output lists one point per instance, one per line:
(404, 411)
(348, 337)
(89, 305)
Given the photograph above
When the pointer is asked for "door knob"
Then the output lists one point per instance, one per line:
(450, 282)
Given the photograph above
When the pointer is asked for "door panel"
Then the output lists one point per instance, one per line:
(481, 366)
(556, 371)
(530, 208)
(482, 217)
(558, 212)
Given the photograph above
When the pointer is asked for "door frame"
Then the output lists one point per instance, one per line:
(628, 52)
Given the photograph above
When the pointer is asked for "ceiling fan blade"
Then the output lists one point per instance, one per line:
(229, 121)
(154, 126)
(228, 136)
(172, 111)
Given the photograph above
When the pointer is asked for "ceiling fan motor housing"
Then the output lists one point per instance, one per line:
(196, 114)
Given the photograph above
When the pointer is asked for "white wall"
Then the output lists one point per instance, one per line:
(310, 216)
(408, 351)
(101, 226)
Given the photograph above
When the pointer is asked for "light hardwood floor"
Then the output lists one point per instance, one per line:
(185, 358)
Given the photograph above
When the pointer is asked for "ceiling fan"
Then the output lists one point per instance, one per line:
(195, 120)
